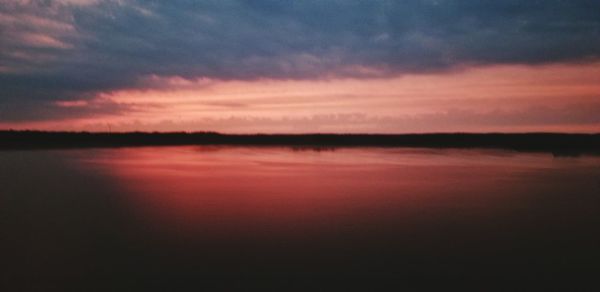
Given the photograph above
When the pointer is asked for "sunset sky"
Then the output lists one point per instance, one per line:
(371, 66)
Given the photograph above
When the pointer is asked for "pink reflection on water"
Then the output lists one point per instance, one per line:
(236, 191)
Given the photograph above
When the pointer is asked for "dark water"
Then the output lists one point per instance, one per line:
(181, 214)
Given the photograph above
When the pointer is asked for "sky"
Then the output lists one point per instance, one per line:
(303, 66)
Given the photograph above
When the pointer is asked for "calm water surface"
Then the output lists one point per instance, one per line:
(192, 212)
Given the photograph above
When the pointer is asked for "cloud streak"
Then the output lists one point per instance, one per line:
(76, 50)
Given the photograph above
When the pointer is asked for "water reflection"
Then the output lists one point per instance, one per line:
(276, 191)
(173, 211)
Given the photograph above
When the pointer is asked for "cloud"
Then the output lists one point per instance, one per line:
(574, 117)
(27, 110)
(62, 50)
(581, 117)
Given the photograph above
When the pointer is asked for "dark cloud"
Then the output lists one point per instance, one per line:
(33, 110)
(57, 50)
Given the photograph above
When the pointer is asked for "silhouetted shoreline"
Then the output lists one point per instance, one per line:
(556, 143)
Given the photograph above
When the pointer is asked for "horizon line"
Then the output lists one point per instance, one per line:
(301, 134)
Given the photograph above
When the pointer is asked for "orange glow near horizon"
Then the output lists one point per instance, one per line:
(474, 99)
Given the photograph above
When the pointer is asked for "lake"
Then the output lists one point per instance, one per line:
(156, 214)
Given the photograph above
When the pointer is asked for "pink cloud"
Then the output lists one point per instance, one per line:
(506, 98)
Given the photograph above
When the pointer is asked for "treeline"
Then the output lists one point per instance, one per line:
(558, 143)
